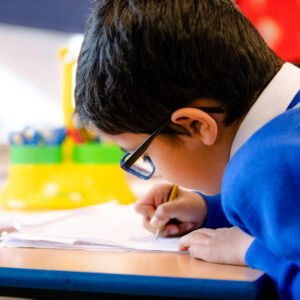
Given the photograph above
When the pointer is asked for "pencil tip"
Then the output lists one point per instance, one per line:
(157, 234)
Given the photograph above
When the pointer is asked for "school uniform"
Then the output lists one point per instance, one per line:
(261, 185)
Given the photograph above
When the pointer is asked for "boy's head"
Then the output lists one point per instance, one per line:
(142, 60)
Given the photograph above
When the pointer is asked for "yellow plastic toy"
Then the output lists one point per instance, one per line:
(65, 176)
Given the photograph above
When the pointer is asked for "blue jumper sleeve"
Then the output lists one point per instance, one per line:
(215, 214)
(285, 274)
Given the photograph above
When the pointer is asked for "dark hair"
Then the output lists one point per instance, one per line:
(142, 59)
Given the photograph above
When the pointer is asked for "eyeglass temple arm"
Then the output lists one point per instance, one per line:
(133, 158)
(144, 146)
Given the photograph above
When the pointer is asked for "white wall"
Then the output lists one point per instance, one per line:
(30, 77)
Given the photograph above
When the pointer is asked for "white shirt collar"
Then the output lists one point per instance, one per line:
(273, 101)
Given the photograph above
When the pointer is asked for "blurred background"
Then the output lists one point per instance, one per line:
(32, 32)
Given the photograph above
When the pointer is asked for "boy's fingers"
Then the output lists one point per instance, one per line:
(200, 251)
(167, 211)
(192, 238)
(208, 231)
(163, 214)
(177, 229)
(159, 192)
(147, 204)
(145, 210)
(171, 230)
(186, 227)
(159, 220)
(146, 225)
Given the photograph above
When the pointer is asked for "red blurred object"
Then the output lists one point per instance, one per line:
(278, 21)
(75, 134)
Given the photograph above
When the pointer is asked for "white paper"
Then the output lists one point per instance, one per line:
(108, 226)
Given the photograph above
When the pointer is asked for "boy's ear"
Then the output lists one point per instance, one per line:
(197, 123)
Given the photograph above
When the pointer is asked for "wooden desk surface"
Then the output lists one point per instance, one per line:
(127, 273)
(130, 263)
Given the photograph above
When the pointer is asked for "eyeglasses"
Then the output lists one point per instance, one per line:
(143, 167)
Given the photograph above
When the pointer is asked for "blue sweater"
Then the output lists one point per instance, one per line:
(261, 195)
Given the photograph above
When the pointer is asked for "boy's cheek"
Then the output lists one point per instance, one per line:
(186, 177)
(174, 173)
(185, 168)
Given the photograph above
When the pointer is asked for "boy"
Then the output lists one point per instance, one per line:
(192, 88)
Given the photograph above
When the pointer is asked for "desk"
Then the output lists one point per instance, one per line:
(124, 273)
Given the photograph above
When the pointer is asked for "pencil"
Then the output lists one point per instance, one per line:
(171, 197)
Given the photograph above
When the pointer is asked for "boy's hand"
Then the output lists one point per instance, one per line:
(223, 245)
(185, 213)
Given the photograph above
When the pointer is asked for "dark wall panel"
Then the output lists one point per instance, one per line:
(61, 15)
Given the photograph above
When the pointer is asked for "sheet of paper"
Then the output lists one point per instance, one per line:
(108, 226)
(31, 219)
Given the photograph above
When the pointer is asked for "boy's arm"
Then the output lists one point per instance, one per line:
(284, 273)
(271, 212)
(215, 214)
(261, 189)
(265, 202)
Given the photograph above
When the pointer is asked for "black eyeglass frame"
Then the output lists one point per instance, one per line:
(126, 165)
